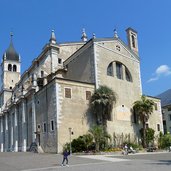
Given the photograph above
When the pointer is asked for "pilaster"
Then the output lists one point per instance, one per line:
(1, 135)
(15, 130)
(24, 130)
(6, 133)
(11, 132)
(33, 120)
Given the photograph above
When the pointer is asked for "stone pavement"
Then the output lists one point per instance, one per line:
(104, 158)
(52, 162)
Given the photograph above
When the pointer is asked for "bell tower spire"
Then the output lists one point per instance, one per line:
(10, 71)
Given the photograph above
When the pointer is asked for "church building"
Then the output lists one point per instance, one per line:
(51, 98)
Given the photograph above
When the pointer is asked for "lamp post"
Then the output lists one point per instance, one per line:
(70, 132)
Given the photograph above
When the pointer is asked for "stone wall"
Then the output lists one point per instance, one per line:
(74, 112)
(81, 68)
(45, 101)
(127, 92)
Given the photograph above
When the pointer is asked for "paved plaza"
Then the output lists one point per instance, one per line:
(52, 162)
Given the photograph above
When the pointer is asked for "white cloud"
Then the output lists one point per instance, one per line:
(162, 70)
(153, 79)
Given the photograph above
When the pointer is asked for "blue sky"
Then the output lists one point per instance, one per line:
(31, 22)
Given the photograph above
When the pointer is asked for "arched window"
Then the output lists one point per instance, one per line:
(120, 70)
(14, 68)
(110, 69)
(119, 73)
(9, 67)
(128, 75)
(133, 41)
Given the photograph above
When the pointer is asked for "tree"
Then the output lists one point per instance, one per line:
(100, 136)
(102, 104)
(150, 135)
(143, 109)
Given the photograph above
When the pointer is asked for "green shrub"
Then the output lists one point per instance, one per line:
(78, 145)
(100, 136)
(164, 140)
(82, 143)
(149, 136)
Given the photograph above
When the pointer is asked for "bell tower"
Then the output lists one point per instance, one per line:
(132, 39)
(10, 72)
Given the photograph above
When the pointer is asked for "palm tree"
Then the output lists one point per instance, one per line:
(143, 109)
(100, 136)
(102, 104)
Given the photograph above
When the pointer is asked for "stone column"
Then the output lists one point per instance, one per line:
(15, 130)
(1, 135)
(114, 69)
(33, 120)
(6, 133)
(24, 130)
(12, 133)
(123, 72)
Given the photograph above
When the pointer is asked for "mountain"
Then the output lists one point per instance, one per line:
(165, 98)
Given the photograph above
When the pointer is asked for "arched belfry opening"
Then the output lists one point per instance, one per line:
(9, 67)
(132, 39)
(14, 68)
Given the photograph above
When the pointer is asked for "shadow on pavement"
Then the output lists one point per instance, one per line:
(162, 162)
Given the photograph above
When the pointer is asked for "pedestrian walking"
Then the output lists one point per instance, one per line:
(65, 157)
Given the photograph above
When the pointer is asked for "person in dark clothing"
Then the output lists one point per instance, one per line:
(65, 157)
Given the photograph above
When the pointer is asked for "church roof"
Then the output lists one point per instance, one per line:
(11, 53)
(123, 43)
(101, 40)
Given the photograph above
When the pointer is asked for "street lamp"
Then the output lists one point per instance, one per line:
(70, 132)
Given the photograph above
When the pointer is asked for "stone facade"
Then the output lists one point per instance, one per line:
(166, 111)
(52, 97)
(156, 121)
